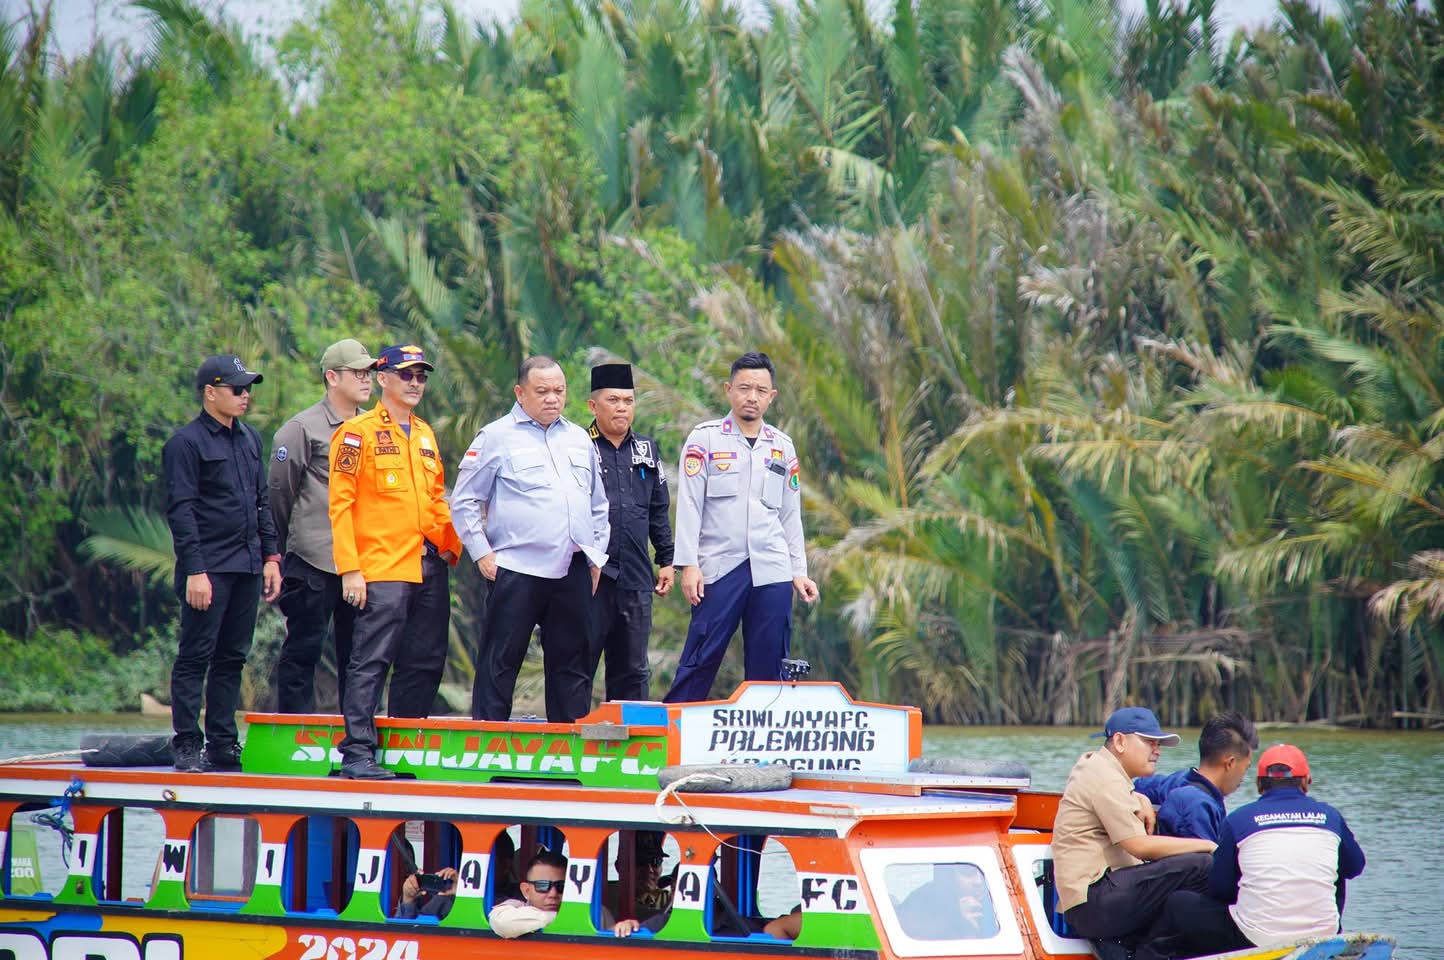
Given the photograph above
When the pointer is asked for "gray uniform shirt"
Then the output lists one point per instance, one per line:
(300, 465)
(532, 495)
(737, 503)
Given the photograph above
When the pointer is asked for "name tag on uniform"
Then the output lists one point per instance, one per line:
(777, 467)
(642, 453)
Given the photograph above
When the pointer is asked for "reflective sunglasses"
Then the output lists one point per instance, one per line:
(408, 375)
(542, 886)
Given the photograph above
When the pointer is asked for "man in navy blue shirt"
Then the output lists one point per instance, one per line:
(1279, 870)
(219, 513)
(1190, 802)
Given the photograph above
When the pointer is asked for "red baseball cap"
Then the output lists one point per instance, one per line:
(1283, 760)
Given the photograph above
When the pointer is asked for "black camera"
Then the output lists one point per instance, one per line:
(795, 669)
(433, 882)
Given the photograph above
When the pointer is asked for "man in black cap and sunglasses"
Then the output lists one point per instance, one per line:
(226, 559)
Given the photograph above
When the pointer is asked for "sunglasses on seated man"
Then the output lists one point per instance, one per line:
(542, 886)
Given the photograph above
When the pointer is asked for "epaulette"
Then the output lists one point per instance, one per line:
(778, 433)
(709, 424)
(416, 419)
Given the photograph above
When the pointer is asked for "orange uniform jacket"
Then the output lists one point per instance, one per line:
(387, 492)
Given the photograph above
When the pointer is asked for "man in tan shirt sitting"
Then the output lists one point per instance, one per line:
(1112, 874)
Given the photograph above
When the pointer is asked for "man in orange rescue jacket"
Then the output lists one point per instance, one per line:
(393, 539)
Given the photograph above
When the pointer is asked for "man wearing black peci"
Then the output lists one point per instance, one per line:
(637, 501)
(220, 520)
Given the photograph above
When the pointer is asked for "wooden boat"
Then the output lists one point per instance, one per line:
(283, 861)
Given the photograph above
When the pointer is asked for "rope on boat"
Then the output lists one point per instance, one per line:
(54, 818)
(36, 757)
(670, 790)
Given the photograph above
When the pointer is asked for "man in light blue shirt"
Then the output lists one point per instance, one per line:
(530, 508)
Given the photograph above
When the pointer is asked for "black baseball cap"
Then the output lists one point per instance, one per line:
(227, 369)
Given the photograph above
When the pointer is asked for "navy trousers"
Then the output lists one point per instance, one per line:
(765, 613)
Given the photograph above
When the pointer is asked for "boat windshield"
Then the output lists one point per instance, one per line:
(941, 901)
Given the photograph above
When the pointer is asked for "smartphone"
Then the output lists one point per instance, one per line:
(434, 882)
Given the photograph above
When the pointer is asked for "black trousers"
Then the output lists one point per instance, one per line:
(421, 658)
(311, 601)
(211, 655)
(621, 626)
(1202, 925)
(515, 604)
(1127, 904)
(398, 625)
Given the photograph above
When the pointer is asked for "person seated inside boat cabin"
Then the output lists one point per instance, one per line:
(1114, 877)
(416, 901)
(1190, 802)
(651, 896)
(953, 905)
(1278, 874)
(541, 897)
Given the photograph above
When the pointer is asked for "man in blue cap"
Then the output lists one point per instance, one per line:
(1113, 877)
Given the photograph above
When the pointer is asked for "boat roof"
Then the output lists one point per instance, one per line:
(849, 760)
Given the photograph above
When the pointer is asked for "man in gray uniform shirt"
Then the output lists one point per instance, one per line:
(311, 588)
(739, 547)
(530, 507)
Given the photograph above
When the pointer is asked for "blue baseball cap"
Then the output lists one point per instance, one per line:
(1139, 720)
(401, 356)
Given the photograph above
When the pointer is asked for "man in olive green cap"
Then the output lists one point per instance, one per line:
(311, 587)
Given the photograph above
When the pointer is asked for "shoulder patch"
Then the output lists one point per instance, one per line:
(281, 454)
(352, 439)
(794, 474)
(692, 460)
(347, 460)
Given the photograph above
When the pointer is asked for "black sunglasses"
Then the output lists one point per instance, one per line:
(542, 886)
(239, 391)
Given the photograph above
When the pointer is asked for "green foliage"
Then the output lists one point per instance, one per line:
(67, 672)
(1112, 347)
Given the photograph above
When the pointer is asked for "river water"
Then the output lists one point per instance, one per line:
(1389, 786)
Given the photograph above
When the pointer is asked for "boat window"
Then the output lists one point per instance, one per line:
(126, 872)
(320, 865)
(942, 900)
(755, 881)
(430, 851)
(640, 867)
(1035, 863)
(223, 861)
(36, 855)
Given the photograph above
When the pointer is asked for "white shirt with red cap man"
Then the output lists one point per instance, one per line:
(1282, 860)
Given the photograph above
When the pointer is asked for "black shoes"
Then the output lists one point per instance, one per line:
(187, 753)
(366, 769)
(223, 757)
(193, 755)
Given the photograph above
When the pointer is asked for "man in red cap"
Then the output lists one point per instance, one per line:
(1113, 876)
(1278, 874)
(392, 542)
